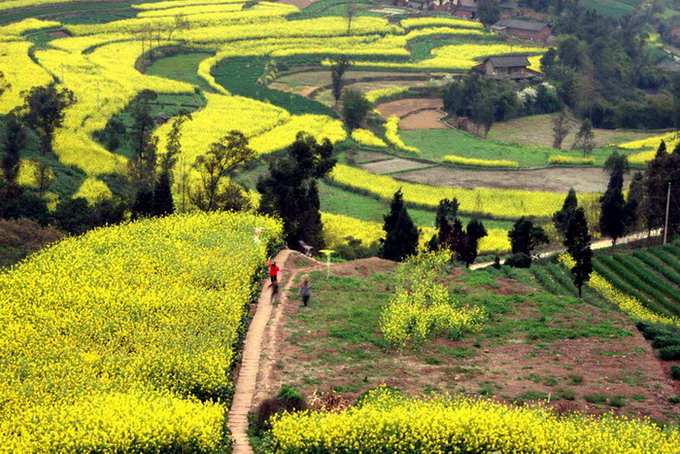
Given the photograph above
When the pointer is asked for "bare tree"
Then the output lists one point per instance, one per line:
(43, 177)
(585, 138)
(560, 129)
(180, 23)
(337, 76)
(350, 12)
(212, 192)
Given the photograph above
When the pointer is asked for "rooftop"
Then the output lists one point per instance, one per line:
(521, 24)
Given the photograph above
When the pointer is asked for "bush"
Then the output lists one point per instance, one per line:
(520, 260)
(617, 401)
(288, 399)
(670, 353)
(675, 372)
(595, 398)
(666, 341)
(651, 332)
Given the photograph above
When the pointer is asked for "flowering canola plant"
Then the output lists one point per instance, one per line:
(392, 135)
(628, 304)
(507, 203)
(421, 307)
(366, 137)
(389, 423)
(375, 96)
(479, 162)
(570, 160)
(122, 339)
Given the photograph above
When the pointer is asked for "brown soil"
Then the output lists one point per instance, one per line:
(403, 107)
(612, 367)
(537, 131)
(392, 165)
(302, 4)
(369, 156)
(425, 119)
(623, 367)
(59, 34)
(551, 179)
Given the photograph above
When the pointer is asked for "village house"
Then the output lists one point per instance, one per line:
(513, 67)
(468, 8)
(526, 29)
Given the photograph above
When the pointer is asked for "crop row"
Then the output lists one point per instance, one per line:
(388, 423)
(504, 163)
(640, 280)
(487, 202)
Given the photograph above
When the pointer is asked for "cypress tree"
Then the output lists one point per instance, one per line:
(612, 204)
(162, 204)
(14, 143)
(561, 217)
(577, 242)
(401, 234)
(474, 232)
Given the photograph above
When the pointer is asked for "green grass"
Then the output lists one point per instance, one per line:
(340, 330)
(67, 179)
(181, 67)
(331, 8)
(612, 8)
(240, 76)
(434, 144)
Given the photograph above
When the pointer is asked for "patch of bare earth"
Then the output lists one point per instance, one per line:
(302, 4)
(537, 131)
(393, 165)
(59, 34)
(369, 156)
(551, 179)
(403, 107)
(424, 119)
(507, 368)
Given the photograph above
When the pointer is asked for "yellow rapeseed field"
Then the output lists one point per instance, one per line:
(388, 423)
(120, 339)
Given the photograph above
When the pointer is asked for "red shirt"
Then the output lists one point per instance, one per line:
(273, 270)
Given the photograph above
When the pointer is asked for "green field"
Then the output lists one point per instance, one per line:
(612, 8)
(434, 144)
(652, 276)
(181, 67)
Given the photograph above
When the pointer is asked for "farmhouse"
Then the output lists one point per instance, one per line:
(533, 30)
(514, 67)
(468, 8)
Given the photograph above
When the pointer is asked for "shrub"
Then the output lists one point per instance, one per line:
(520, 260)
(651, 332)
(617, 401)
(288, 399)
(595, 398)
(666, 341)
(670, 353)
(675, 372)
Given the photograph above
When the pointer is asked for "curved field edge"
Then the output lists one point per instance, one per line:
(123, 339)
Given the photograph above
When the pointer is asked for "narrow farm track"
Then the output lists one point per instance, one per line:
(599, 244)
(247, 379)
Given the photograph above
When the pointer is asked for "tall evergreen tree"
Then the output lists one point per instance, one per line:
(577, 242)
(14, 143)
(338, 69)
(401, 234)
(634, 202)
(561, 218)
(612, 204)
(524, 238)
(474, 232)
(447, 210)
(662, 170)
(355, 107)
(290, 190)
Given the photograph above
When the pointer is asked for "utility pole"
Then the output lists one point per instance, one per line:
(668, 207)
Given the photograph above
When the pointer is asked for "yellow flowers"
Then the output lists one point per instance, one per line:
(93, 190)
(392, 135)
(422, 308)
(503, 203)
(20, 72)
(628, 304)
(116, 341)
(366, 137)
(570, 160)
(439, 22)
(375, 96)
(671, 139)
(479, 162)
(388, 423)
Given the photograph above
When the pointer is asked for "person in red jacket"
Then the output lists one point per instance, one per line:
(273, 272)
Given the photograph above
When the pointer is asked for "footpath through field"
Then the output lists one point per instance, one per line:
(250, 363)
(599, 244)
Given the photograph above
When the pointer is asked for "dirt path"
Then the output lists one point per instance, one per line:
(599, 244)
(250, 364)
